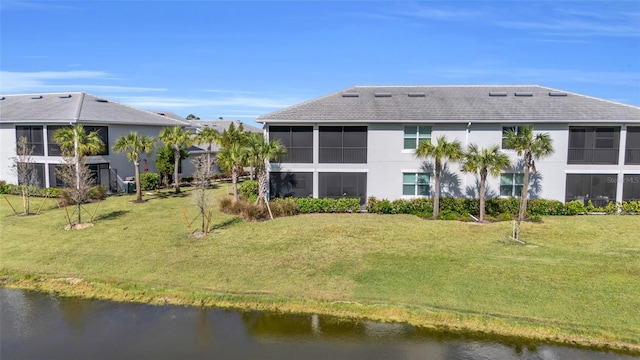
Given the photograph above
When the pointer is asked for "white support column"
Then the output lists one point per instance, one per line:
(621, 156)
(316, 157)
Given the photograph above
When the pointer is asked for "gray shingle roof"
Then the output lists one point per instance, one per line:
(482, 103)
(76, 107)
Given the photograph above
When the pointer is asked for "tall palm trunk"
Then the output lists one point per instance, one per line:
(176, 163)
(483, 181)
(436, 193)
(234, 182)
(138, 186)
(525, 188)
(262, 183)
(209, 161)
(77, 161)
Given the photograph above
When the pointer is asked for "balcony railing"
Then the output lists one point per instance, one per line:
(298, 155)
(632, 156)
(593, 156)
(340, 155)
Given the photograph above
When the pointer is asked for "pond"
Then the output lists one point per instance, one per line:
(38, 326)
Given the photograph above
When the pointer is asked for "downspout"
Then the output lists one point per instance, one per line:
(466, 147)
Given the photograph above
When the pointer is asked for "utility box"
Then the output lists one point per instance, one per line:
(129, 185)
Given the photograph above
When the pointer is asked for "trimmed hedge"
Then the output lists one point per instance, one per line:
(326, 205)
(499, 208)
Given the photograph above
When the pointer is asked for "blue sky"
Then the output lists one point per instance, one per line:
(242, 59)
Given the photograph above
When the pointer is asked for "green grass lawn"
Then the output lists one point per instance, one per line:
(577, 279)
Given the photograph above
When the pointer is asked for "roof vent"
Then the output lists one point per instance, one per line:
(521, 93)
(416, 94)
(497, 93)
(65, 96)
(37, 97)
(382, 94)
(557, 94)
(350, 95)
(102, 100)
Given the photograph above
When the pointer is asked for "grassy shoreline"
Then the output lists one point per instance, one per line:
(576, 282)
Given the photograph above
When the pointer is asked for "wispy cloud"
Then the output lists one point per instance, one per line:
(34, 5)
(12, 82)
(545, 18)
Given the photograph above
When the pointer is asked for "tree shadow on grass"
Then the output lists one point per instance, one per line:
(227, 223)
(165, 195)
(112, 215)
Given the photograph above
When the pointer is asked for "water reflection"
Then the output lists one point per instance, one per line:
(36, 326)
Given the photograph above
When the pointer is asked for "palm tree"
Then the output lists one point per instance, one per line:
(176, 137)
(135, 145)
(260, 152)
(531, 148)
(441, 152)
(207, 136)
(233, 158)
(485, 162)
(75, 142)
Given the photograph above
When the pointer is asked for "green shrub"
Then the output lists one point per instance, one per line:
(611, 208)
(496, 206)
(536, 218)
(545, 207)
(326, 205)
(149, 181)
(98, 192)
(9, 188)
(50, 192)
(630, 207)
(504, 217)
(248, 188)
(448, 215)
(574, 207)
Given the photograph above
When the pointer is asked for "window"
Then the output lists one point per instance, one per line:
(103, 134)
(414, 135)
(343, 144)
(298, 140)
(632, 153)
(593, 145)
(599, 188)
(54, 178)
(631, 187)
(511, 184)
(34, 175)
(505, 131)
(54, 149)
(34, 138)
(337, 185)
(415, 184)
(294, 184)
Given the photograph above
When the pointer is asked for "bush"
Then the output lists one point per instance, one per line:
(536, 218)
(248, 189)
(98, 192)
(545, 207)
(9, 189)
(504, 217)
(283, 207)
(574, 207)
(326, 205)
(149, 181)
(448, 215)
(630, 207)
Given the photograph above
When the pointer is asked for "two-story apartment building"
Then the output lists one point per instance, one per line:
(38, 116)
(361, 142)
